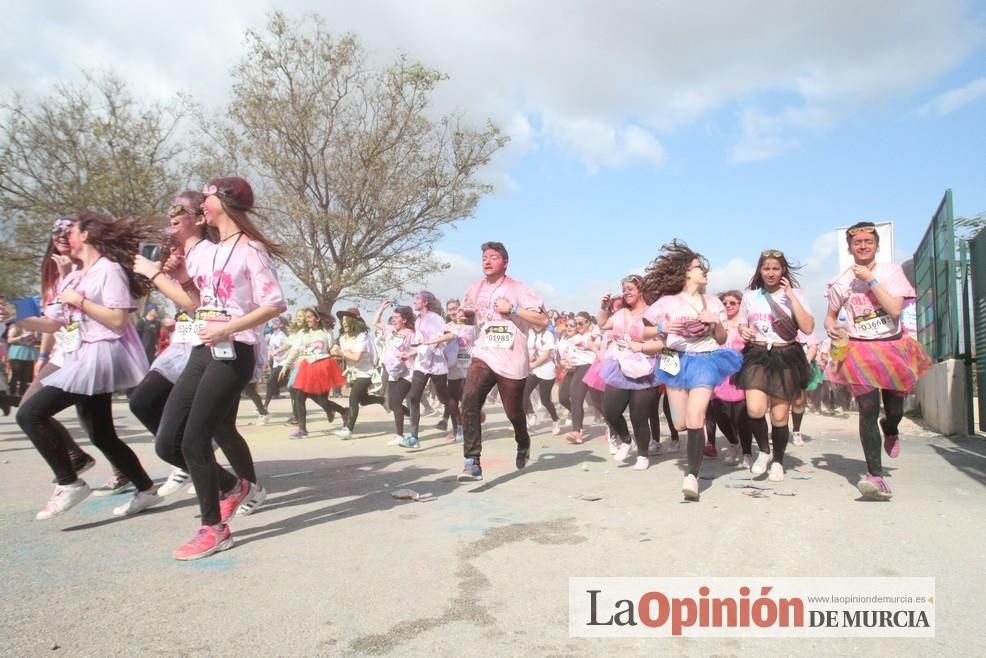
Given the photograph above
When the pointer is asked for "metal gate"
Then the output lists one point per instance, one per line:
(977, 257)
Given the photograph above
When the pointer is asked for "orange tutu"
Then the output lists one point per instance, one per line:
(319, 377)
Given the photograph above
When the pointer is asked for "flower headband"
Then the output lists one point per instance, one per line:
(771, 253)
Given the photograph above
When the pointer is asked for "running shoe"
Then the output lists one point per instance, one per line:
(689, 488)
(395, 440)
(747, 462)
(115, 485)
(891, 442)
(81, 466)
(256, 499)
(874, 486)
(262, 419)
(459, 437)
(732, 453)
(574, 437)
(471, 470)
(344, 433)
(298, 434)
(653, 448)
(642, 464)
(205, 542)
(410, 442)
(523, 456)
(176, 482)
(760, 465)
(64, 498)
(710, 451)
(797, 439)
(442, 425)
(556, 427)
(613, 443)
(776, 472)
(623, 452)
(531, 421)
(140, 501)
(231, 503)
(675, 445)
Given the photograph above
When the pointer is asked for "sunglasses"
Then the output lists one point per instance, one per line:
(61, 226)
(699, 266)
(178, 209)
(771, 253)
(570, 325)
(730, 303)
(862, 229)
(210, 190)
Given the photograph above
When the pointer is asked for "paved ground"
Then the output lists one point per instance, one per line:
(334, 565)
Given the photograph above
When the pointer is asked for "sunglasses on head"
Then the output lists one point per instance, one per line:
(862, 229)
(61, 226)
(179, 209)
(771, 253)
(209, 190)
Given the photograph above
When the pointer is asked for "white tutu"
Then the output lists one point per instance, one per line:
(105, 366)
(172, 360)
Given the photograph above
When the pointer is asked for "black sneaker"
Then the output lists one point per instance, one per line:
(442, 425)
(5, 404)
(523, 455)
(470, 471)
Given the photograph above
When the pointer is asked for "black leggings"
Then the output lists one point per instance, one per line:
(21, 376)
(544, 387)
(273, 385)
(731, 418)
(869, 424)
(642, 404)
(147, 401)
(572, 395)
(34, 416)
(75, 452)
(206, 393)
(254, 395)
(396, 393)
(418, 382)
(359, 395)
(453, 408)
(299, 400)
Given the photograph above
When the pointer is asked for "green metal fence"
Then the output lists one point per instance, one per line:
(935, 264)
(977, 311)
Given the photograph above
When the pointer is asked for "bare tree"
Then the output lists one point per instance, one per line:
(88, 146)
(358, 179)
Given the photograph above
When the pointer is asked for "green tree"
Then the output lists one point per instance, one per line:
(357, 179)
(89, 146)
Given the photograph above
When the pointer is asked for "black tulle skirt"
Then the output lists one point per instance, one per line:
(781, 372)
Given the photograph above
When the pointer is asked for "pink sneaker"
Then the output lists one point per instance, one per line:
(874, 486)
(233, 500)
(205, 542)
(574, 437)
(891, 442)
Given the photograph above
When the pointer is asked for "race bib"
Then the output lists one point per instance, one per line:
(670, 362)
(874, 325)
(184, 330)
(204, 315)
(463, 360)
(69, 338)
(499, 335)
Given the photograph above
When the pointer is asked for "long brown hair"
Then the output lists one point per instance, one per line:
(788, 271)
(666, 273)
(118, 240)
(236, 195)
(49, 270)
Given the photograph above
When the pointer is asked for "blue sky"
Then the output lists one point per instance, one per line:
(733, 126)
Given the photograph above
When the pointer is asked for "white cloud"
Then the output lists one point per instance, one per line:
(956, 99)
(768, 136)
(600, 144)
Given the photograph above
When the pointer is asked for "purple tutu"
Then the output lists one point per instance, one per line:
(701, 369)
(172, 360)
(612, 374)
(592, 378)
(105, 366)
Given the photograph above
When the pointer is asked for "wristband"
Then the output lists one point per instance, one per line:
(43, 356)
(156, 275)
(515, 309)
(873, 283)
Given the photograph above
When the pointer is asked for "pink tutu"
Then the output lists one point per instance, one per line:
(592, 378)
(172, 360)
(728, 392)
(894, 365)
(105, 366)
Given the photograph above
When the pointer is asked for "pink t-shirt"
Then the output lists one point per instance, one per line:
(105, 283)
(431, 358)
(237, 277)
(502, 339)
(755, 312)
(676, 308)
(622, 321)
(396, 344)
(465, 337)
(733, 339)
(865, 318)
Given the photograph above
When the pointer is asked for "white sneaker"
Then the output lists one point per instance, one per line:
(747, 462)
(556, 427)
(395, 441)
(257, 497)
(344, 433)
(653, 448)
(262, 419)
(64, 498)
(191, 489)
(760, 466)
(532, 421)
(675, 445)
(177, 480)
(140, 501)
(623, 452)
(732, 454)
(796, 439)
(643, 463)
(613, 443)
(776, 472)
(689, 488)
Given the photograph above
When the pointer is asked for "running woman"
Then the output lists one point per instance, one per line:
(809, 343)
(101, 354)
(317, 373)
(234, 287)
(882, 360)
(629, 376)
(693, 363)
(577, 355)
(398, 360)
(277, 340)
(430, 337)
(505, 310)
(727, 411)
(775, 370)
(542, 350)
(463, 325)
(356, 347)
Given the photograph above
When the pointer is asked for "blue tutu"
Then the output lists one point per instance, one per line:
(613, 376)
(701, 369)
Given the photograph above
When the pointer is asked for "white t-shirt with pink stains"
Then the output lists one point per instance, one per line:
(755, 312)
(681, 307)
(502, 339)
(238, 277)
(865, 318)
(430, 358)
(104, 283)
